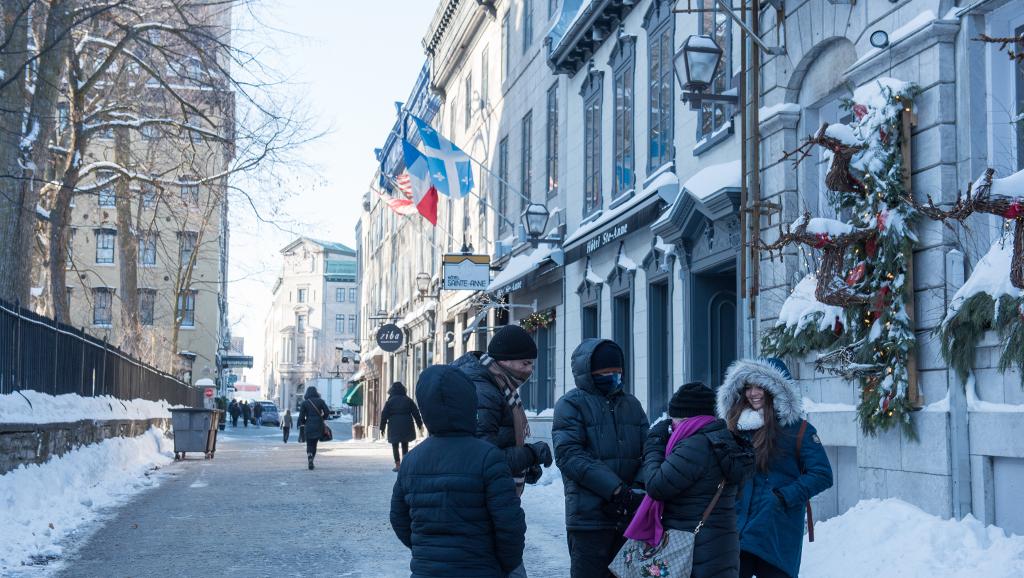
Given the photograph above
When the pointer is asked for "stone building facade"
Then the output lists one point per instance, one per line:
(312, 329)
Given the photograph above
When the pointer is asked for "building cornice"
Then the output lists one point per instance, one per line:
(452, 34)
(587, 33)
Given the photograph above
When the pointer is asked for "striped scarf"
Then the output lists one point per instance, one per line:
(510, 389)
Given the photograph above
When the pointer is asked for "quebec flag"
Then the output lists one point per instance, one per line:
(450, 170)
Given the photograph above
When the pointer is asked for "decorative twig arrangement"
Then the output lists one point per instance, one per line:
(839, 177)
(1004, 44)
(981, 199)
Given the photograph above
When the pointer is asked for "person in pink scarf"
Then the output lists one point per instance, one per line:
(685, 458)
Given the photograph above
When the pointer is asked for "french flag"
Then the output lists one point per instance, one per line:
(424, 195)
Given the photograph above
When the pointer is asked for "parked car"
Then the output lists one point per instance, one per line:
(270, 415)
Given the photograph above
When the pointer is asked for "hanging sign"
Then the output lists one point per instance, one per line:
(389, 337)
(466, 272)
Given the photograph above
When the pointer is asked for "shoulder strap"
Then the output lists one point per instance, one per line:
(799, 444)
(711, 506)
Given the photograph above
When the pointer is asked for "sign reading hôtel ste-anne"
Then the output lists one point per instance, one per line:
(466, 272)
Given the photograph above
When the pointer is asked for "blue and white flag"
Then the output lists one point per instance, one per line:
(450, 169)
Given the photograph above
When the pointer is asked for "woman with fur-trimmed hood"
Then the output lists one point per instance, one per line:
(760, 401)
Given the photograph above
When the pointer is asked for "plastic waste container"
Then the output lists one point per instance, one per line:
(195, 430)
(357, 431)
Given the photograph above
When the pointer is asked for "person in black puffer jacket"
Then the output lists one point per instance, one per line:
(312, 414)
(500, 416)
(686, 481)
(598, 432)
(396, 419)
(454, 502)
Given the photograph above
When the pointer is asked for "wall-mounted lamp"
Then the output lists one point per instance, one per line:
(696, 64)
(535, 221)
(879, 39)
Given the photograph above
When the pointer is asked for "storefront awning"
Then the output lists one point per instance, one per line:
(354, 394)
(515, 275)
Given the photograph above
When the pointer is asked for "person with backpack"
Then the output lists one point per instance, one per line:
(693, 464)
(454, 503)
(312, 419)
(598, 432)
(397, 419)
(760, 402)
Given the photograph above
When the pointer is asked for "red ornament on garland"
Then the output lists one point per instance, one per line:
(821, 239)
(856, 274)
(1014, 210)
(838, 328)
(860, 111)
(880, 220)
(871, 247)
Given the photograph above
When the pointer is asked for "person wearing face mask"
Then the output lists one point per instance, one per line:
(759, 401)
(598, 432)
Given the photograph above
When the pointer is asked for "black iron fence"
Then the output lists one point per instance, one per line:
(37, 353)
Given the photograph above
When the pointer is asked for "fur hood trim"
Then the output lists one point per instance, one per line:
(786, 399)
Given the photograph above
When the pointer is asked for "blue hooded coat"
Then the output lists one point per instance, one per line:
(772, 528)
(454, 503)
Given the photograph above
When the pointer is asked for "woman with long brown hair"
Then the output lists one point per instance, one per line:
(760, 402)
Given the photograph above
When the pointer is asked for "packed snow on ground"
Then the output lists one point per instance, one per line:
(890, 538)
(35, 407)
(42, 505)
(547, 553)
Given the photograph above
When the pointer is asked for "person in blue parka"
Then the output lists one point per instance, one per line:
(760, 401)
(454, 503)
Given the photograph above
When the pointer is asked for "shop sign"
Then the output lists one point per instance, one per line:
(466, 272)
(614, 231)
(389, 337)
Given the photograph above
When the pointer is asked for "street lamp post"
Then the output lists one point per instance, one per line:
(535, 222)
(696, 65)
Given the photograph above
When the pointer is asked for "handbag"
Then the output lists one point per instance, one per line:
(672, 557)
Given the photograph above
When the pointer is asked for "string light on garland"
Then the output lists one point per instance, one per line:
(539, 320)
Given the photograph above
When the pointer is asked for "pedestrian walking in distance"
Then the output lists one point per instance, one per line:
(598, 432)
(454, 503)
(246, 413)
(760, 402)
(257, 413)
(501, 419)
(286, 424)
(685, 459)
(313, 413)
(397, 419)
(234, 410)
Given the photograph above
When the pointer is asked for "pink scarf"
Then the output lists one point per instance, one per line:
(646, 524)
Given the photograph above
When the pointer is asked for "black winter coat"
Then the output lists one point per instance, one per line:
(397, 417)
(246, 411)
(312, 415)
(257, 410)
(599, 441)
(686, 482)
(454, 503)
(493, 414)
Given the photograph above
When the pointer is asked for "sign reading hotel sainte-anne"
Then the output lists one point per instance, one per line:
(466, 272)
(607, 237)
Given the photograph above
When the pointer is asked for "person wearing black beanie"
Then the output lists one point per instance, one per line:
(692, 399)
(598, 432)
(501, 418)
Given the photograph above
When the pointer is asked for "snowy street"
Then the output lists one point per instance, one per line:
(255, 510)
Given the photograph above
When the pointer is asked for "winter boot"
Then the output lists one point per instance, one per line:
(310, 461)
(398, 464)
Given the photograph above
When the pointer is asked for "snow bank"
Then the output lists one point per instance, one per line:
(35, 407)
(40, 505)
(893, 538)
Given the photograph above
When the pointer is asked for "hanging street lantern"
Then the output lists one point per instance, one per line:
(696, 65)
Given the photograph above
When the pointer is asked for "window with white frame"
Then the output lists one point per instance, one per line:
(592, 93)
(147, 249)
(506, 47)
(339, 294)
(552, 140)
(148, 194)
(660, 25)
(303, 294)
(189, 190)
(469, 99)
(353, 320)
(502, 183)
(526, 160)
(715, 23)
(187, 308)
(300, 323)
(622, 65)
(339, 324)
(187, 246)
(107, 195)
(352, 295)
(106, 241)
(102, 306)
(485, 76)
(527, 24)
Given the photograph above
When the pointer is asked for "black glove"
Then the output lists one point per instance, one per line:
(542, 453)
(660, 431)
(624, 504)
(533, 474)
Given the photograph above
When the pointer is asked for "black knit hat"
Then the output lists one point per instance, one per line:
(692, 399)
(512, 342)
(606, 355)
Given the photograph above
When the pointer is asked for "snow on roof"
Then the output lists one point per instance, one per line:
(593, 277)
(608, 216)
(350, 345)
(625, 262)
(417, 313)
(520, 265)
(356, 376)
(663, 179)
(567, 20)
(798, 310)
(714, 178)
(989, 276)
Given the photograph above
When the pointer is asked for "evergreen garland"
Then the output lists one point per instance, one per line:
(783, 340)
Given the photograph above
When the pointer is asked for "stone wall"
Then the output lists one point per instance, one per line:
(36, 443)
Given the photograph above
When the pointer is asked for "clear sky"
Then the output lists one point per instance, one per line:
(348, 61)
